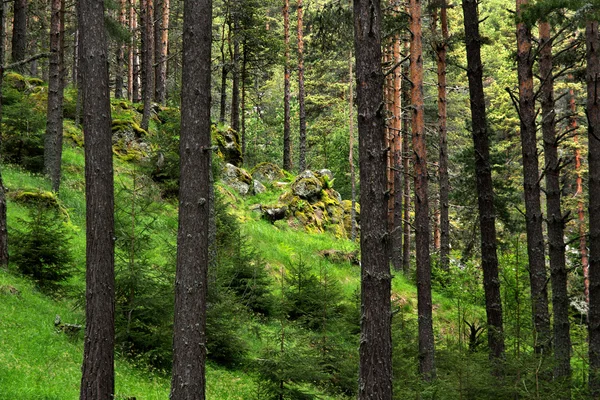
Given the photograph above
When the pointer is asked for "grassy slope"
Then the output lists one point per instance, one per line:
(36, 362)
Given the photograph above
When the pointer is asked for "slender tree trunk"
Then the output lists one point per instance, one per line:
(375, 365)
(224, 70)
(442, 50)
(189, 340)
(531, 184)
(19, 34)
(426, 339)
(243, 104)
(3, 221)
(302, 111)
(593, 114)
(235, 70)
(353, 227)
(54, 126)
(287, 142)
(147, 23)
(406, 156)
(396, 149)
(136, 68)
(485, 190)
(97, 381)
(119, 78)
(555, 219)
(161, 74)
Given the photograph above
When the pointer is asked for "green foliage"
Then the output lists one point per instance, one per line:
(40, 247)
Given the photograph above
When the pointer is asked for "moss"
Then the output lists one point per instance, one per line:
(35, 82)
(15, 81)
(125, 124)
(267, 172)
(228, 143)
(39, 197)
(73, 132)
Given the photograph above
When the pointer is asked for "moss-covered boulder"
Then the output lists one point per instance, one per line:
(228, 144)
(127, 139)
(307, 186)
(267, 172)
(347, 205)
(15, 81)
(237, 178)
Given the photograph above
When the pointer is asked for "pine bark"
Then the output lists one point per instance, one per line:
(147, 22)
(287, 142)
(3, 220)
(485, 190)
(97, 381)
(531, 184)
(426, 338)
(593, 115)
(119, 67)
(302, 110)
(54, 126)
(555, 219)
(375, 365)
(19, 34)
(235, 74)
(406, 156)
(224, 72)
(134, 57)
(161, 50)
(189, 337)
(244, 77)
(353, 227)
(396, 150)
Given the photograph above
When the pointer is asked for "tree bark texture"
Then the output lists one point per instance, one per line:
(555, 219)
(19, 34)
(396, 150)
(353, 227)
(485, 190)
(244, 77)
(302, 110)
(442, 51)
(147, 22)
(134, 58)
(375, 352)
(531, 184)
(189, 337)
(97, 381)
(54, 125)
(3, 220)
(224, 71)
(287, 140)
(235, 72)
(593, 114)
(406, 156)
(120, 64)
(161, 50)
(426, 339)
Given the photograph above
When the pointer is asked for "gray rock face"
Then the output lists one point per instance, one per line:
(267, 172)
(327, 173)
(258, 187)
(237, 178)
(307, 187)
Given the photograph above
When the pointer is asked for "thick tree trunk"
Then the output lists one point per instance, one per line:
(54, 126)
(531, 184)
(485, 190)
(287, 142)
(375, 368)
(3, 221)
(442, 50)
(147, 22)
(119, 67)
(301, 111)
(406, 156)
(426, 339)
(555, 220)
(19, 34)
(189, 338)
(593, 114)
(97, 381)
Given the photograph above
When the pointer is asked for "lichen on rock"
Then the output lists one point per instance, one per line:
(228, 144)
(267, 172)
(238, 179)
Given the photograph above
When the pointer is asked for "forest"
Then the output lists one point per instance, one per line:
(315, 199)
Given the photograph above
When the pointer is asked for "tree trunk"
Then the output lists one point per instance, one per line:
(189, 340)
(555, 219)
(426, 339)
(301, 111)
(224, 71)
(485, 190)
(3, 221)
(396, 150)
(54, 127)
(147, 21)
(235, 70)
(287, 142)
(136, 68)
(119, 81)
(375, 368)
(162, 51)
(353, 230)
(19, 34)
(97, 381)
(444, 220)
(243, 103)
(531, 184)
(406, 156)
(593, 114)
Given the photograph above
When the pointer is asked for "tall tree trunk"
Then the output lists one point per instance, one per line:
(243, 103)
(136, 68)
(287, 142)
(19, 34)
(224, 71)
(189, 337)
(406, 156)
(555, 219)
(375, 365)
(396, 150)
(593, 114)
(485, 190)
(353, 227)
(301, 111)
(3, 221)
(54, 126)
(97, 381)
(119, 81)
(531, 184)
(442, 50)
(161, 43)
(426, 339)
(147, 21)
(235, 70)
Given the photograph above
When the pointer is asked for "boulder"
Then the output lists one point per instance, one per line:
(258, 187)
(327, 173)
(307, 187)
(237, 178)
(267, 172)
(228, 145)
(273, 214)
(127, 140)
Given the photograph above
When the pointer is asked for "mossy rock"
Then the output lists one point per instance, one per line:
(129, 126)
(347, 206)
(38, 198)
(267, 172)
(307, 188)
(35, 82)
(127, 140)
(228, 144)
(237, 178)
(72, 132)
(15, 81)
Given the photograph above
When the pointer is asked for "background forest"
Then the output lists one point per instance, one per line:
(493, 293)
